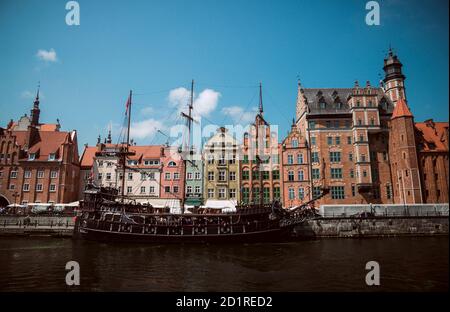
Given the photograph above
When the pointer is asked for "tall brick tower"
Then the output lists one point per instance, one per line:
(403, 154)
(394, 80)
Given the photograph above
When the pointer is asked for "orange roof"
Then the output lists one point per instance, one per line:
(48, 127)
(142, 152)
(49, 143)
(87, 159)
(433, 136)
(145, 152)
(401, 110)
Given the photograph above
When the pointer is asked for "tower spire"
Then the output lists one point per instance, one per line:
(260, 99)
(35, 111)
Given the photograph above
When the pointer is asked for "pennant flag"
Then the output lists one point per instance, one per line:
(127, 105)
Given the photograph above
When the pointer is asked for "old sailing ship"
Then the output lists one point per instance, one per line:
(107, 215)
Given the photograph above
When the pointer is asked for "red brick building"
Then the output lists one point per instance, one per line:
(295, 164)
(432, 144)
(260, 166)
(364, 145)
(38, 162)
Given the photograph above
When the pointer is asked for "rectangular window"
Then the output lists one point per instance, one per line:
(210, 159)
(266, 175)
(151, 175)
(32, 156)
(130, 176)
(312, 125)
(197, 189)
(350, 156)
(313, 141)
(276, 193)
(291, 176)
(336, 173)
(275, 159)
(349, 140)
(197, 176)
(352, 173)
(290, 159)
(245, 161)
(245, 194)
(294, 143)
(329, 140)
(176, 175)
(129, 189)
(39, 187)
(385, 156)
(291, 193)
(232, 193)
(301, 176)
(335, 156)
(315, 173)
(13, 175)
(167, 175)
(316, 191)
(301, 193)
(222, 192)
(222, 160)
(152, 189)
(388, 191)
(167, 189)
(210, 175)
(189, 175)
(353, 191)
(27, 174)
(337, 192)
(175, 189)
(222, 175)
(275, 174)
(142, 189)
(26, 187)
(108, 176)
(99, 177)
(189, 189)
(52, 187)
(51, 156)
(337, 140)
(232, 176)
(300, 158)
(245, 175)
(40, 174)
(255, 174)
(12, 187)
(315, 157)
(53, 174)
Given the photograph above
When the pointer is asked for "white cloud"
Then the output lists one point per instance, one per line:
(204, 104)
(47, 56)
(147, 111)
(238, 115)
(145, 128)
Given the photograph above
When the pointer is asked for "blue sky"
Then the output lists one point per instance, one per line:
(227, 46)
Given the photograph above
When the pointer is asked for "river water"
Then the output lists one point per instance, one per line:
(406, 264)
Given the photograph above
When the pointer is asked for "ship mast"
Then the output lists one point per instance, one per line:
(258, 158)
(189, 120)
(125, 151)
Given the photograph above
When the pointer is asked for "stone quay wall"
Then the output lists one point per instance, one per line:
(58, 226)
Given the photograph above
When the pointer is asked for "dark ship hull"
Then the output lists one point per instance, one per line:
(137, 234)
(103, 218)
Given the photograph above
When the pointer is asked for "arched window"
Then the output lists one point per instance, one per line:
(172, 164)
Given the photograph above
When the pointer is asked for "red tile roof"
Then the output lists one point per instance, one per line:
(87, 158)
(401, 110)
(433, 136)
(50, 142)
(142, 153)
(48, 127)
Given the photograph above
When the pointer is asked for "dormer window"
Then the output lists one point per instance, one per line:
(52, 156)
(32, 156)
(172, 164)
(323, 105)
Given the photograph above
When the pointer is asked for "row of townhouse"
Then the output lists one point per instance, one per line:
(361, 143)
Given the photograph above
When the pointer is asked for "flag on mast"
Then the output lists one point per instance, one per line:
(127, 105)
